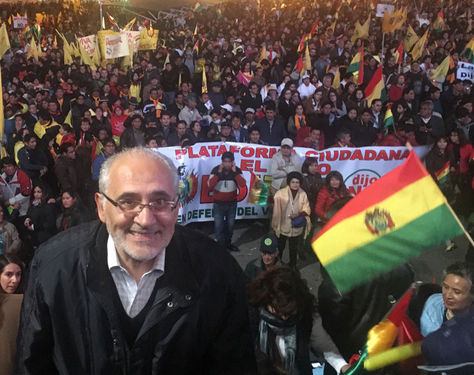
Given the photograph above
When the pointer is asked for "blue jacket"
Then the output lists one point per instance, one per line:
(274, 136)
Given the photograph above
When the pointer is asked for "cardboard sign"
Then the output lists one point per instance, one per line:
(89, 44)
(133, 37)
(116, 46)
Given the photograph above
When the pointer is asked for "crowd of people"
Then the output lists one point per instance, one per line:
(64, 122)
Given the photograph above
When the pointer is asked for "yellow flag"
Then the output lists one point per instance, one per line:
(336, 83)
(361, 31)
(410, 39)
(167, 61)
(33, 51)
(300, 14)
(389, 22)
(4, 41)
(307, 60)
(204, 80)
(419, 46)
(442, 69)
(68, 119)
(148, 39)
(85, 58)
(129, 25)
(196, 30)
(401, 18)
(102, 24)
(39, 17)
(263, 55)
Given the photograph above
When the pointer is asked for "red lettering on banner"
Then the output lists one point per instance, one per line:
(247, 152)
(324, 169)
(353, 191)
(246, 165)
(213, 149)
(261, 152)
(191, 153)
(222, 149)
(258, 166)
(203, 152)
(356, 155)
(344, 155)
(370, 155)
(180, 152)
(234, 149)
(382, 155)
(333, 156)
(311, 153)
(205, 191)
(395, 154)
(273, 151)
(242, 193)
(405, 154)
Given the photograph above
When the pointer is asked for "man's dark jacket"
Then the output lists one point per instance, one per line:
(197, 324)
(272, 136)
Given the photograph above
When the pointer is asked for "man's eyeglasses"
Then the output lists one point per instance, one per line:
(132, 207)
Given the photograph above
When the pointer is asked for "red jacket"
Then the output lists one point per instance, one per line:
(324, 201)
(303, 133)
(466, 153)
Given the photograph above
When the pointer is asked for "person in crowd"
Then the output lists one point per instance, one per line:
(333, 189)
(176, 138)
(136, 242)
(291, 216)
(73, 213)
(312, 182)
(254, 136)
(429, 127)
(11, 297)
(189, 113)
(65, 169)
(441, 164)
(456, 299)
(226, 134)
(16, 186)
(363, 132)
(297, 122)
(267, 260)
(10, 242)
(32, 160)
(134, 135)
(286, 324)
(272, 129)
(40, 219)
(238, 131)
(195, 133)
(343, 139)
(224, 181)
(282, 164)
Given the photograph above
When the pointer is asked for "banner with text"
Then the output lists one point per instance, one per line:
(116, 46)
(20, 22)
(465, 71)
(89, 44)
(359, 166)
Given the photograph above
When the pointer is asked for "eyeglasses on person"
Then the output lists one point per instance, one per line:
(132, 207)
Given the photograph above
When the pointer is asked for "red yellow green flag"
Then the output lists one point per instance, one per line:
(313, 28)
(443, 174)
(258, 193)
(395, 218)
(399, 54)
(304, 39)
(469, 51)
(438, 24)
(375, 87)
(357, 64)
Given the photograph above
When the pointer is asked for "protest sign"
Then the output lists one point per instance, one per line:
(89, 44)
(360, 167)
(133, 37)
(116, 46)
(384, 8)
(20, 22)
(465, 71)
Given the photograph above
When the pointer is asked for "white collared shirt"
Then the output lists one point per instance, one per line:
(133, 296)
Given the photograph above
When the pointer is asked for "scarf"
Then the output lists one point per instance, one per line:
(270, 328)
(299, 124)
(36, 202)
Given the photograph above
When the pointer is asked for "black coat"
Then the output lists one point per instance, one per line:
(274, 136)
(43, 218)
(197, 324)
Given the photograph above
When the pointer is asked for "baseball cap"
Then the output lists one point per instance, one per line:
(251, 110)
(287, 142)
(269, 244)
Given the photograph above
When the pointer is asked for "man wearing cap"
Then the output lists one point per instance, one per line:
(268, 258)
(306, 89)
(249, 121)
(283, 162)
(223, 183)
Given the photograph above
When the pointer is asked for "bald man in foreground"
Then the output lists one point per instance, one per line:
(134, 293)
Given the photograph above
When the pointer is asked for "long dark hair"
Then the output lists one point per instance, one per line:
(307, 162)
(342, 187)
(44, 190)
(5, 260)
(282, 288)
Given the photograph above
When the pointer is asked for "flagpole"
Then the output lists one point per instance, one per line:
(383, 42)
(469, 238)
(100, 13)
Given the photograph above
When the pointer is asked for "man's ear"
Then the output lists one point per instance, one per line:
(100, 206)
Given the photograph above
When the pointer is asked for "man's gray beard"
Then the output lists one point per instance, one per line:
(120, 245)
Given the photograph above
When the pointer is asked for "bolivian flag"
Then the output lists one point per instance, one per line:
(388, 119)
(442, 175)
(399, 54)
(469, 51)
(392, 220)
(438, 24)
(357, 64)
(197, 7)
(375, 87)
(258, 192)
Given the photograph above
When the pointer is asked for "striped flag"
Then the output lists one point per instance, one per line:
(399, 54)
(469, 51)
(258, 192)
(197, 7)
(388, 119)
(112, 20)
(357, 64)
(442, 176)
(375, 87)
(395, 218)
(304, 39)
(438, 24)
(313, 28)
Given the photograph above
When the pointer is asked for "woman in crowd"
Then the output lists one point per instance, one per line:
(194, 134)
(10, 242)
(291, 216)
(73, 213)
(312, 105)
(440, 163)
(312, 182)
(41, 217)
(333, 190)
(297, 122)
(11, 274)
(456, 299)
(286, 325)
